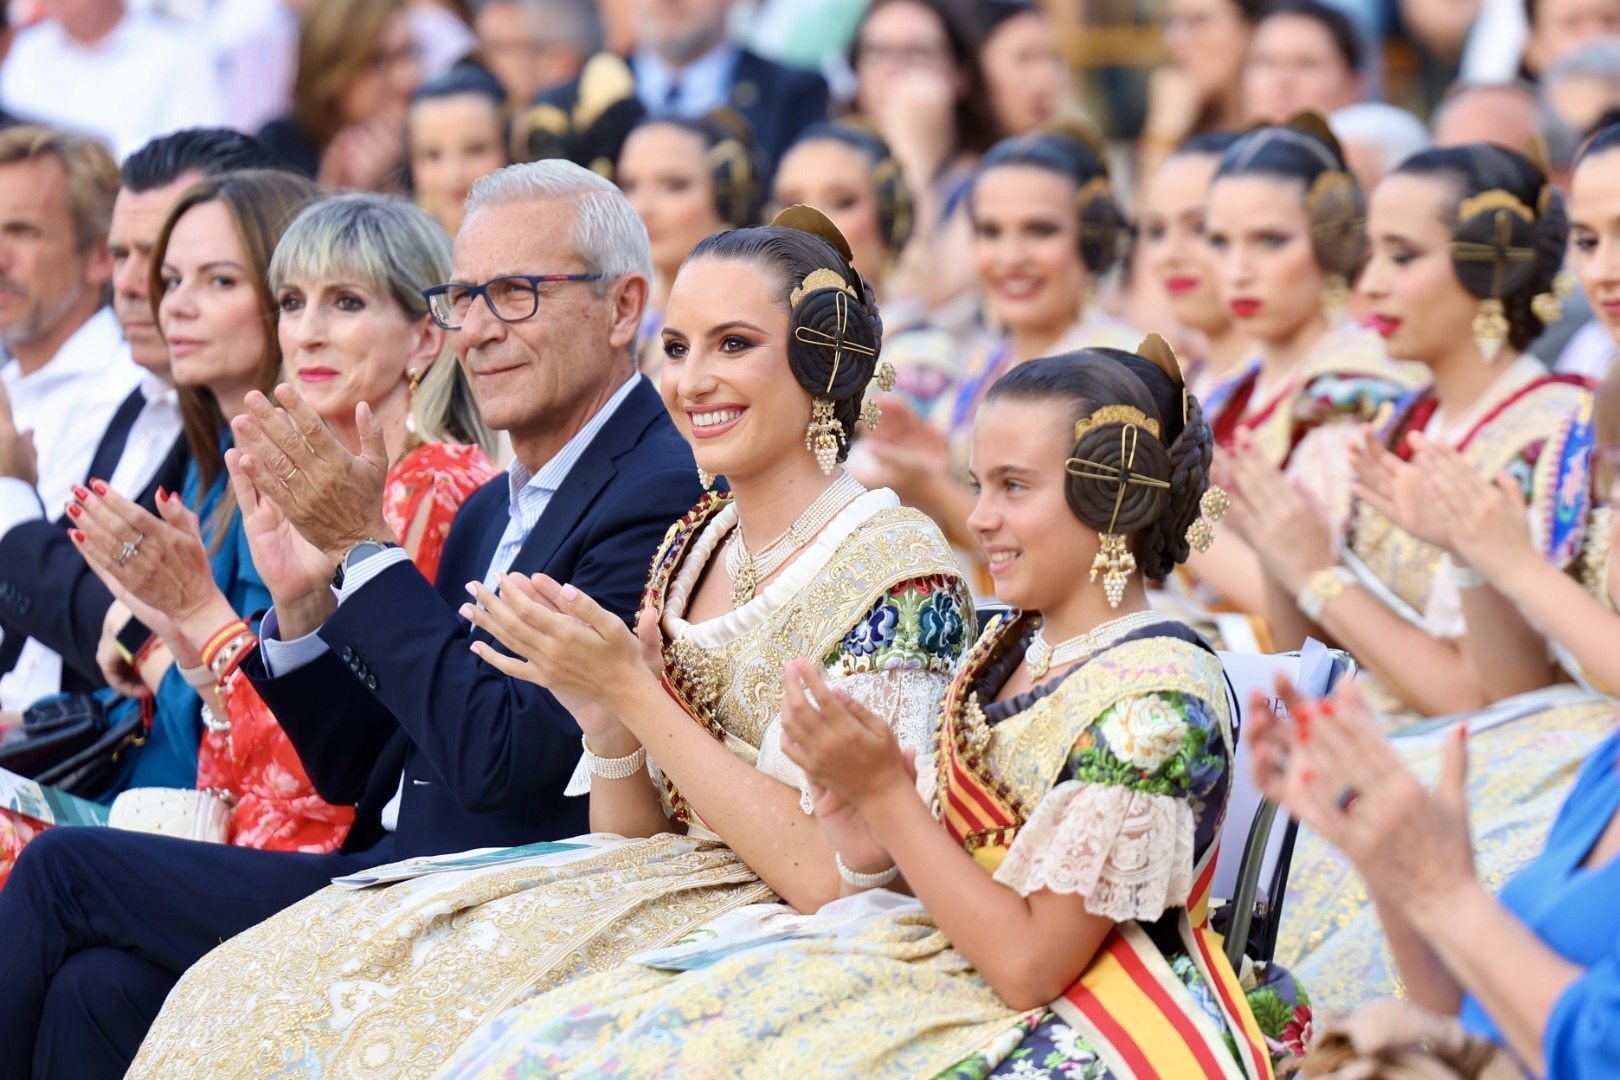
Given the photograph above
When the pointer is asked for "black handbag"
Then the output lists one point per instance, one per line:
(68, 742)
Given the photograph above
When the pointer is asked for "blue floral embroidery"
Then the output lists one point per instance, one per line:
(943, 629)
(874, 632)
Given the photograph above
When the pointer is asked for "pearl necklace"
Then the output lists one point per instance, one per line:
(1041, 657)
(747, 569)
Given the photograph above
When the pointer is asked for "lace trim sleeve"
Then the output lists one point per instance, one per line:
(1129, 853)
(908, 699)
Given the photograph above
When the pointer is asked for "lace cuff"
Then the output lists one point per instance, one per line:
(908, 699)
(1128, 853)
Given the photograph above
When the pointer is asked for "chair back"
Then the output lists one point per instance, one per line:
(1257, 844)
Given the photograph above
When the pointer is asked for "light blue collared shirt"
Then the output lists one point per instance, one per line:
(705, 83)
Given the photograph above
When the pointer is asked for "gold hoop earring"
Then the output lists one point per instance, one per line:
(825, 435)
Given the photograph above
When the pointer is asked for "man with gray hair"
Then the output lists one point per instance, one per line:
(534, 45)
(371, 676)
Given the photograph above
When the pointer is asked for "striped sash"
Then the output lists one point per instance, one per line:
(1128, 1004)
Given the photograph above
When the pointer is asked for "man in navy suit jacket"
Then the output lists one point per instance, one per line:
(686, 66)
(377, 687)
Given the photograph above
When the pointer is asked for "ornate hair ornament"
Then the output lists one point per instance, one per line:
(837, 341)
(1490, 326)
(826, 433)
(1114, 559)
(1114, 414)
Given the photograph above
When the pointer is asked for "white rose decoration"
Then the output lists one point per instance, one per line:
(1144, 731)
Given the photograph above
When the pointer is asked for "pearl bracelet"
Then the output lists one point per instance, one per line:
(613, 768)
(864, 881)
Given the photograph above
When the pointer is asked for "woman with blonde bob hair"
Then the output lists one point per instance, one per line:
(352, 331)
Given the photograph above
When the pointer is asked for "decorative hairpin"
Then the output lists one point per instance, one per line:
(1114, 559)
(1490, 326)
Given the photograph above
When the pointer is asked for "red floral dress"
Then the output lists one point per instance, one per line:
(248, 755)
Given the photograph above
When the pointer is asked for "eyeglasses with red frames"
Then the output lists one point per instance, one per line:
(511, 298)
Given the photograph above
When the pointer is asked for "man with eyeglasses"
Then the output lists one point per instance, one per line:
(372, 678)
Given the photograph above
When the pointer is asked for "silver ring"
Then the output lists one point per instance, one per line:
(131, 549)
(1346, 799)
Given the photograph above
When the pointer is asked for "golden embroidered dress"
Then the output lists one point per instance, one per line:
(388, 980)
(1107, 781)
(1524, 752)
(1305, 425)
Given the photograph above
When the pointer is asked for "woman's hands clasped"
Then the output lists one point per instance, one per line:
(561, 639)
(1277, 517)
(850, 757)
(1331, 768)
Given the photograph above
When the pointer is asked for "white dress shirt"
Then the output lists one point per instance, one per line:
(68, 404)
(528, 496)
(143, 79)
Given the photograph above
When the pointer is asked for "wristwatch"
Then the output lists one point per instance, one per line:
(358, 552)
(132, 638)
(1323, 586)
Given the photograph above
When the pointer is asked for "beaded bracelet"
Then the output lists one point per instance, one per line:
(614, 768)
(858, 880)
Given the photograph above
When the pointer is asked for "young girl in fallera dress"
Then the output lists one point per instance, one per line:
(1057, 850)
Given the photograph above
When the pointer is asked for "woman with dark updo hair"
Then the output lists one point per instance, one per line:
(1085, 754)
(1466, 244)
(1046, 227)
(1287, 225)
(770, 342)
(687, 178)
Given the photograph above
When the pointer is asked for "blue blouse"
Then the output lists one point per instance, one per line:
(169, 758)
(1576, 911)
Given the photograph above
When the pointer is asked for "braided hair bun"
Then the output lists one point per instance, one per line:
(1304, 149)
(1508, 239)
(1132, 415)
(835, 334)
(1075, 151)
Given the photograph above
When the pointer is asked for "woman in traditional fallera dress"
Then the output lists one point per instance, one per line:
(1285, 221)
(770, 343)
(1464, 242)
(1061, 877)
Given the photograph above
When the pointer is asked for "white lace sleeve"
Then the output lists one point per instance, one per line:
(908, 699)
(1128, 853)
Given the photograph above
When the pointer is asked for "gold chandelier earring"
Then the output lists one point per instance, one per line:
(1335, 298)
(825, 436)
(1114, 559)
(1490, 329)
(1212, 506)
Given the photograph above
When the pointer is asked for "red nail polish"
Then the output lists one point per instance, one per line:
(80, 493)
(163, 495)
(1327, 707)
(78, 537)
(74, 510)
(98, 487)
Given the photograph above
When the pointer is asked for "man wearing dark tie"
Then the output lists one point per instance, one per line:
(372, 677)
(48, 595)
(686, 65)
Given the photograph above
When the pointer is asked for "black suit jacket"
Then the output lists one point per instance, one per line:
(485, 757)
(47, 590)
(778, 103)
